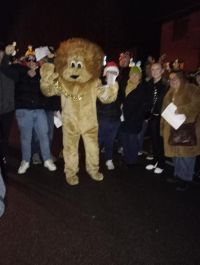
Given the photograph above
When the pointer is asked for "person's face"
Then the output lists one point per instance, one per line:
(174, 81)
(124, 60)
(198, 79)
(135, 78)
(32, 65)
(156, 71)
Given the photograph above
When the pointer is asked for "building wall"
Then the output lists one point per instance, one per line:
(184, 45)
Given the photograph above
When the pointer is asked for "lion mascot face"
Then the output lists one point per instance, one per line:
(78, 61)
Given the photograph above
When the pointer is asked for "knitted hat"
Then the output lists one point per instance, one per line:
(111, 67)
(135, 69)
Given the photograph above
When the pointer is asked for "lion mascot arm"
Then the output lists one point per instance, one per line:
(49, 83)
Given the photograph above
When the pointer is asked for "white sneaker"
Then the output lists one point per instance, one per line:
(120, 150)
(158, 170)
(23, 167)
(140, 153)
(50, 165)
(151, 166)
(110, 165)
(149, 157)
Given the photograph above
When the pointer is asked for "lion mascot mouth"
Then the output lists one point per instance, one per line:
(74, 76)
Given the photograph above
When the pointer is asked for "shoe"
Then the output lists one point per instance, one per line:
(74, 180)
(110, 165)
(120, 150)
(50, 165)
(36, 159)
(23, 167)
(158, 170)
(98, 176)
(140, 153)
(172, 180)
(151, 166)
(149, 157)
(182, 186)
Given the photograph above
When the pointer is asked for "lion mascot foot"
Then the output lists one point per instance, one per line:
(98, 176)
(74, 180)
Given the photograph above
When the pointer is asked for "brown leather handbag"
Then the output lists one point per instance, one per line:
(185, 135)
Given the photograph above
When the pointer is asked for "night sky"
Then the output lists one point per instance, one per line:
(114, 25)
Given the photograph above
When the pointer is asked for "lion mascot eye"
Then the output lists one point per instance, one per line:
(73, 64)
(79, 65)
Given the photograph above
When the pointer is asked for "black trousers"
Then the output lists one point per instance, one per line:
(5, 127)
(157, 141)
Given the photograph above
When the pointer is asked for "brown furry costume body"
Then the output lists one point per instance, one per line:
(78, 66)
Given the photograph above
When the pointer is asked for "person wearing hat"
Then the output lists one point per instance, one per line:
(134, 109)
(30, 112)
(108, 118)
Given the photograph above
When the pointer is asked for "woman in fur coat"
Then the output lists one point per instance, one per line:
(187, 99)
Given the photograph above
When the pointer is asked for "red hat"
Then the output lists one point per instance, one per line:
(111, 67)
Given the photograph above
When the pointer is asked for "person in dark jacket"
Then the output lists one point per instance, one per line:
(108, 120)
(30, 113)
(51, 105)
(134, 109)
(157, 89)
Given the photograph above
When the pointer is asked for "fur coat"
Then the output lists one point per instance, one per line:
(187, 100)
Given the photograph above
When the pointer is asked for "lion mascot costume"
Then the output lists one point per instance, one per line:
(75, 77)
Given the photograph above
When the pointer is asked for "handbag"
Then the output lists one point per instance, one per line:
(185, 135)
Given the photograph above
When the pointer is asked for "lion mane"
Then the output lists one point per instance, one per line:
(91, 52)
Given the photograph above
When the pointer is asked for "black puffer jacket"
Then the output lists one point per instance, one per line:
(134, 109)
(27, 92)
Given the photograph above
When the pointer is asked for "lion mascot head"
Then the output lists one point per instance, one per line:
(78, 61)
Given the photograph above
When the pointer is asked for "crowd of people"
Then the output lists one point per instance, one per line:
(144, 92)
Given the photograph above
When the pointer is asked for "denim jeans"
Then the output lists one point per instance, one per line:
(107, 134)
(184, 167)
(2, 195)
(29, 120)
(35, 140)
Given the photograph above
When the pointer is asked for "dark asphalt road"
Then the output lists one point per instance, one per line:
(131, 218)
